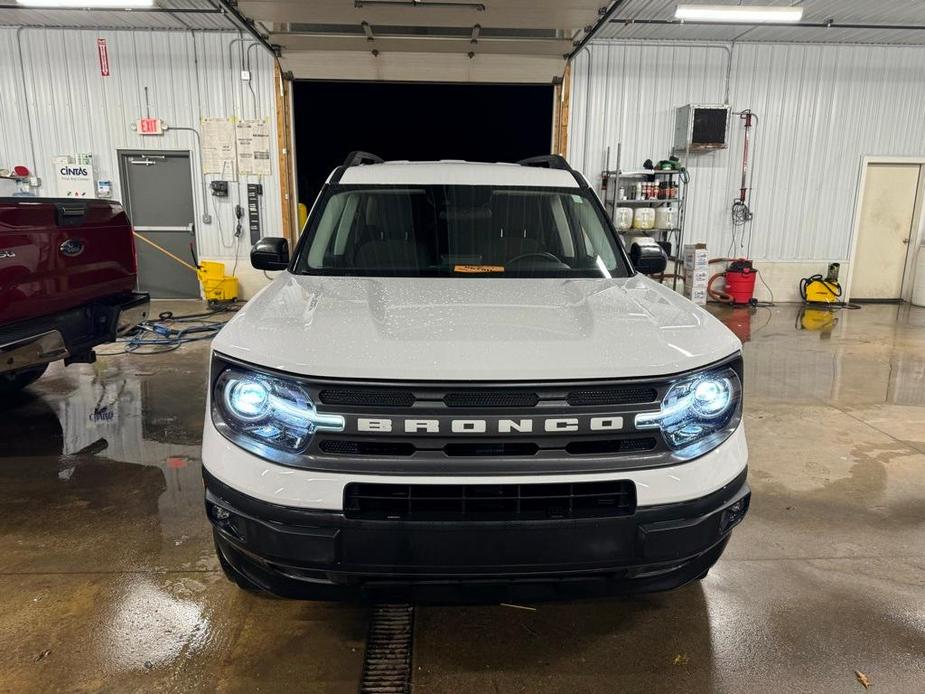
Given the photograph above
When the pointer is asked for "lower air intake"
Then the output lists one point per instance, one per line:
(487, 502)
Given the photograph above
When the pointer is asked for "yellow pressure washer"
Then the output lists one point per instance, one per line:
(817, 289)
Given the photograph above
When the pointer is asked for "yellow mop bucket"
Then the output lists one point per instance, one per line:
(216, 285)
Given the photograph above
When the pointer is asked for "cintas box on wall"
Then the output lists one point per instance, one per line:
(74, 176)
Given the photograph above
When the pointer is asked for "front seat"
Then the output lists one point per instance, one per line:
(388, 242)
(518, 224)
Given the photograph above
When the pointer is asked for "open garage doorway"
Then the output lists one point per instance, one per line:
(417, 121)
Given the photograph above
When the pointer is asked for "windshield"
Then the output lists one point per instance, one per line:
(459, 231)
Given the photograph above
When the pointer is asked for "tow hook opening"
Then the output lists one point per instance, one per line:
(734, 514)
(225, 520)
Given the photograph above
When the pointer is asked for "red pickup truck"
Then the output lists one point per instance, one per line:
(67, 283)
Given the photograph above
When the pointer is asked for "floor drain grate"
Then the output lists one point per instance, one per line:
(387, 664)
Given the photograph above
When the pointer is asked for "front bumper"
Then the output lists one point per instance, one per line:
(70, 334)
(323, 555)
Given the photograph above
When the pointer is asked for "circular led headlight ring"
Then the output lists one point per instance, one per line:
(711, 397)
(246, 399)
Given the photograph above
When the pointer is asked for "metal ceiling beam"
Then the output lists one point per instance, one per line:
(478, 6)
(829, 24)
(127, 10)
(595, 29)
(245, 23)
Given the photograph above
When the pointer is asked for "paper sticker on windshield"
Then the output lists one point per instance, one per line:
(478, 268)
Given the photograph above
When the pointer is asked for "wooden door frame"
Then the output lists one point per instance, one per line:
(562, 97)
(286, 162)
(918, 228)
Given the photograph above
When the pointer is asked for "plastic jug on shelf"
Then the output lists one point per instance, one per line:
(644, 218)
(624, 218)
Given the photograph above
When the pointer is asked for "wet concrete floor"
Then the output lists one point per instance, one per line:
(109, 582)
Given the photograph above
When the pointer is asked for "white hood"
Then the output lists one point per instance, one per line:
(481, 329)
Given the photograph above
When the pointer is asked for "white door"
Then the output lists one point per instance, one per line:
(885, 229)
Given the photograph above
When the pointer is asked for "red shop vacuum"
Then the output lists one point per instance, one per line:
(740, 283)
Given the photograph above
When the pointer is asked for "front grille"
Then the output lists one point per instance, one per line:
(491, 398)
(484, 449)
(617, 395)
(490, 448)
(367, 398)
(611, 446)
(460, 502)
(385, 448)
(500, 398)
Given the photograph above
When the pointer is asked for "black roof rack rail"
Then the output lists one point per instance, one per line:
(554, 161)
(547, 161)
(358, 158)
(355, 158)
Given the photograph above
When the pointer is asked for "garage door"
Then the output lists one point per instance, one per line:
(475, 122)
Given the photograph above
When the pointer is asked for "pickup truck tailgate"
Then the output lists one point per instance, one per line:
(56, 254)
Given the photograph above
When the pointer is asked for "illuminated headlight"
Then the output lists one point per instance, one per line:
(697, 413)
(268, 410)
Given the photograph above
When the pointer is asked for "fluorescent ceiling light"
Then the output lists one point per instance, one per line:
(88, 4)
(741, 14)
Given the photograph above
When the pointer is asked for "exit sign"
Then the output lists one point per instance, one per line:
(150, 126)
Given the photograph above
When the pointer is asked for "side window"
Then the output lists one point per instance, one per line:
(347, 221)
(592, 230)
(325, 236)
(561, 225)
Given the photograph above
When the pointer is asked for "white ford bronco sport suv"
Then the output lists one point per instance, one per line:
(461, 389)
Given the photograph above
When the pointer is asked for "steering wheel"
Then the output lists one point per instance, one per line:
(538, 254)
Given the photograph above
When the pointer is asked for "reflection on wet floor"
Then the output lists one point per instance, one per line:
(82, 425)
(874, 354)
(108, 579)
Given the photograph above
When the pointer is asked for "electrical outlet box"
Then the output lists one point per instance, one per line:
(219, 188)
(245, 75)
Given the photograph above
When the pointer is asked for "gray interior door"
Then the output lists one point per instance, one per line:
(158, 196)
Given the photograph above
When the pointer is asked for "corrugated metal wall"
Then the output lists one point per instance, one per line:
(75, 109)
(821, 109)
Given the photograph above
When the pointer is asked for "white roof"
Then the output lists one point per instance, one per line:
(463, 173)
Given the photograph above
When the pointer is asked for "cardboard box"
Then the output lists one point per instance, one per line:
(695, 256)
(698, 296)
(696, 272)
(697, 277)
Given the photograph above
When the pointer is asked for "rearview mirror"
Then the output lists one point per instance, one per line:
(648, 258)
(270, 253)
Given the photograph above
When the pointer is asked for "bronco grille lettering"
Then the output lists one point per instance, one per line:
(446, 425)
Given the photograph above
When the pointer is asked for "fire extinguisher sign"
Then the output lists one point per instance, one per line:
(103, 50)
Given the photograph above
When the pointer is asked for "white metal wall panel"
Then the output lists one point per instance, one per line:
(821, 109)
(74, 109)
(633, 93)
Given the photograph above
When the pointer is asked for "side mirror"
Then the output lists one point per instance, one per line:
(648, 258)
(270, 253)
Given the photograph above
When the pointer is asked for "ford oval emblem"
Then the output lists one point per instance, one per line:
(72, 247)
